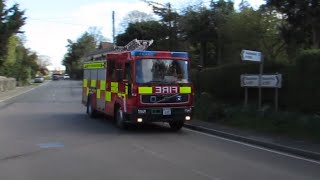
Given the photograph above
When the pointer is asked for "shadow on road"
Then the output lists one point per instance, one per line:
(81, 123)
(145, 128)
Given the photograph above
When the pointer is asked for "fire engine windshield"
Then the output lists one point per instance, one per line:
(162, 71)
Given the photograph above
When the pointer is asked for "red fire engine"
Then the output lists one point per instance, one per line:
(134, 85)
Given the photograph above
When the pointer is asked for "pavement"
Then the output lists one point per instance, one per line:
(4, 95)
(45, 134)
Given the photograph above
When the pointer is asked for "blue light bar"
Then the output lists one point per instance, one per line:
(143, 53)
(180, 54)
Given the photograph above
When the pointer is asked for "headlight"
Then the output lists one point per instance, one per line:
(142, 111)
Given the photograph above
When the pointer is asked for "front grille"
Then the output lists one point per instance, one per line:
(165, 98)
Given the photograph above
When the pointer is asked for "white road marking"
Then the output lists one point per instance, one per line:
(51, 145)
(257, 147)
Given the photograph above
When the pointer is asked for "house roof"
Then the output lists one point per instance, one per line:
(105, 45)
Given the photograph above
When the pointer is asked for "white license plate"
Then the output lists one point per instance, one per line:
(166, 111)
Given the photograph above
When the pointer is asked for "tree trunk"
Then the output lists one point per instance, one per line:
(219, 49)
(203, 54)
(315, 36)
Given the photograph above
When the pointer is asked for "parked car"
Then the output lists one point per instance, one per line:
(55, 77)
(66, 76)
(39, 79)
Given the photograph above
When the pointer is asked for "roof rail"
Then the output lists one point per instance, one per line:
(131, 46)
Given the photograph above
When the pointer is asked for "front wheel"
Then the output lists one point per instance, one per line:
(90, 110)
(176, 126)
(120, 119)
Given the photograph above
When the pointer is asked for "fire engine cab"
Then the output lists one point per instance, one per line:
(134, 85)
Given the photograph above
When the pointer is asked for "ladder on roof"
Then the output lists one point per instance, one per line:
(138, 45)
(131, 46)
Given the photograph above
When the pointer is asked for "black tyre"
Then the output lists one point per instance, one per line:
(90, 110)
(176, 126)
(120, 119)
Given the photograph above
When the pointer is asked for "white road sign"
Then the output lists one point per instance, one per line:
(268, 81)
(247, 55)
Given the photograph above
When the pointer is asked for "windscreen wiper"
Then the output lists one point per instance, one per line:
(158, 81)
(166, 98)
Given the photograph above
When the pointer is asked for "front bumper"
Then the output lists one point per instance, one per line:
(160, 114)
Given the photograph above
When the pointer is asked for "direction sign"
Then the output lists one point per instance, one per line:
(268, 81)
(247, 55)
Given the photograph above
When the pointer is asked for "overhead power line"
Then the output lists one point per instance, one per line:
(58, 22)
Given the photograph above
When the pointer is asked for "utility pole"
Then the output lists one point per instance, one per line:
(113, 28)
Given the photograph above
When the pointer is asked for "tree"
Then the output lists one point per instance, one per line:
(11, 20)
(97, 34)
(244, 4)
(271, 43)
(169, 19)
(220, 11)
(303, 17)
(43, 62)
(11, 50)
(21, 63)
(196, 27)
(144, 30)
(76, 51)
(135, 17)
(206, 27)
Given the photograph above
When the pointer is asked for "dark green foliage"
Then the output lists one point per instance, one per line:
(296, 125)
(213, 35)
(22, 65)
(299, 92)
(11, 20)
(169, 20)
(303, 19)
(305, 81)
(76, 51)
(145, 30)
(223, 82)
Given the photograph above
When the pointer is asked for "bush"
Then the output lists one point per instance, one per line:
(206, 108)
(304, 85)
(290, 124)
(224, 82)
(300, 85)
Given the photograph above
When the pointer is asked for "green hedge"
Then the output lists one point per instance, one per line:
(300, 89)
(224, 82)
(304, 82)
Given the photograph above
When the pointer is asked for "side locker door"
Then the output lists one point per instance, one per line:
(127, 83)
(122, 84)
(108, 95)
(128, 78)
(93, 84)
(85, 85)
(101, 89)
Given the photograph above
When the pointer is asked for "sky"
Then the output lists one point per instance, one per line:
(50, 23)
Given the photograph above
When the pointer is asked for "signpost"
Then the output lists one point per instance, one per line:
(259, 80)
(256, 56)
(268, 81)
(247, 55)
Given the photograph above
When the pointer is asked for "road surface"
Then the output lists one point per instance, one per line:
(46, 135)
